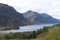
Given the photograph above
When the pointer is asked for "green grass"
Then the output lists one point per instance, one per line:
(54, 33)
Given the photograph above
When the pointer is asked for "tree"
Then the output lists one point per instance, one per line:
(34, 34)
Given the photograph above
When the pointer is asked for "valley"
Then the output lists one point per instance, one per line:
(30, 25)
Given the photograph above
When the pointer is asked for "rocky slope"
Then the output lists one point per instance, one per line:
(37, 18)
(10, 18)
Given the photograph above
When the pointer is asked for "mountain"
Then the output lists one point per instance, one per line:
(58, 19)
(37, 18)
(10, 18)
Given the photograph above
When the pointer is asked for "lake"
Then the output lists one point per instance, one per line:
(27, 28)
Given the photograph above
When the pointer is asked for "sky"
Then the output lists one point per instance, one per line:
(51, 7)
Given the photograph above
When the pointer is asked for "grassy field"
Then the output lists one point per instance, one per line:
(53, 34)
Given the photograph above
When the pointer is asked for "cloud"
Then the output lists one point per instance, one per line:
(51, 7)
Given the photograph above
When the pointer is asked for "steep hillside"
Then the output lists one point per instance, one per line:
(37, 18)
(10, 18)
(52, 34)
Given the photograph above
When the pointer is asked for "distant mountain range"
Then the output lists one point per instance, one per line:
(58, 19)
(37, 18)
(10, 18)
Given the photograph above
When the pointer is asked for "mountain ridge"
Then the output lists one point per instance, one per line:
(10, 18)
(37, 18)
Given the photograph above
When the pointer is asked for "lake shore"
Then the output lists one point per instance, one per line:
(27, 28)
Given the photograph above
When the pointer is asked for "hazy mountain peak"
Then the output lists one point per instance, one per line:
(39, 17)
(29, 11)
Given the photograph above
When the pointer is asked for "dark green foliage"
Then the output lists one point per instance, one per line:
(57, 25)
(25, 35)
(39, 31)
(34, 34)
(44, 29)
(7, 36)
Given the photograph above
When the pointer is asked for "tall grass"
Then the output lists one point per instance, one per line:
(54, 33)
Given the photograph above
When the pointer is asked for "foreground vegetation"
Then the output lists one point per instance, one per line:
(54, 33)
(46, 33)
(23, 35)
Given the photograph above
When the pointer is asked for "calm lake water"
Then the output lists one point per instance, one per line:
(27, 28)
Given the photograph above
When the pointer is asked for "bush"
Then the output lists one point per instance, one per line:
(44, 29)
